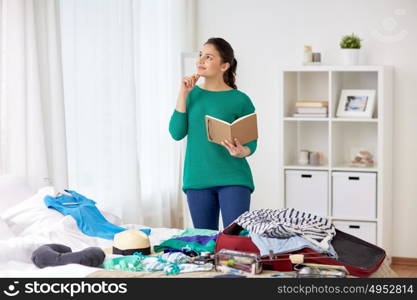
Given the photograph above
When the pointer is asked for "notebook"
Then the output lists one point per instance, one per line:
(245, 129)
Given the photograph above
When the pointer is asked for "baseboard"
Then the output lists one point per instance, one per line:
(404, 261)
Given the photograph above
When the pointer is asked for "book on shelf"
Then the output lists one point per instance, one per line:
(245, 129)
(310, 115)
(311, 110)
(312, 104)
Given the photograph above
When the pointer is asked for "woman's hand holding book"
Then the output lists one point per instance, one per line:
(236, 150)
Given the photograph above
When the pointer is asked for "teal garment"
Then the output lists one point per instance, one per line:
(130, 263)
(170, 263)
(185, 245)
(174, 243)
(196, 231)
(208, 164)
(87, 216)
(244, 232)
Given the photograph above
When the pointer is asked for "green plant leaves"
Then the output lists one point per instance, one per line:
(350, 42)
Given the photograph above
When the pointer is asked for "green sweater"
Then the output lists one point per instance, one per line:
(208, 164)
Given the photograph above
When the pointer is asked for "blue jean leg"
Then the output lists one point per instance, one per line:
(204, 208)
(234, 200)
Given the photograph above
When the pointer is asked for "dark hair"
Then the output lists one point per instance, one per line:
(227, 55)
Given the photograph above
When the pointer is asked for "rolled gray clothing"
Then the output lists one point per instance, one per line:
(57, 255)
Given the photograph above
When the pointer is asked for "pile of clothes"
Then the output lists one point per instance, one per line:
(192, 242)
(90, 221)
(287, 230)
(169, 263)
(179, 252)
(276, 231)
(131, 247)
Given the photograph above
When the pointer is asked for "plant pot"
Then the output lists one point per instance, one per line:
(350, 56)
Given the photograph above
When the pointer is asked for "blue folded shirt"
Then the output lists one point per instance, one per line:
(87, 216)
(287, 245)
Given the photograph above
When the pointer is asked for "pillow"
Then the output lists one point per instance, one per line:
(51, 255)
(31, 215)
(13, 190)
(5, 232)
(112, 218)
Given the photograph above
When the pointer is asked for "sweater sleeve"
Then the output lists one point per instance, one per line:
(178, 125)
(248, 108)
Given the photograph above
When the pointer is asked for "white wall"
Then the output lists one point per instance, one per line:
(269, 34)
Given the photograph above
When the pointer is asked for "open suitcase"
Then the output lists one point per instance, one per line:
(360, 258)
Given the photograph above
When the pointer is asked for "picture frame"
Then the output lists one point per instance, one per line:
(356, 104)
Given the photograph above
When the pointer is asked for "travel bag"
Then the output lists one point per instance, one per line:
(359, 257)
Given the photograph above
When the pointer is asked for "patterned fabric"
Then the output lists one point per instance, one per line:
(184, 245)
(201, 239)
(191, 239)
(169, 263)
(282, 223)
(197, 231)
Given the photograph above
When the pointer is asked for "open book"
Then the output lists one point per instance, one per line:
(245, 129)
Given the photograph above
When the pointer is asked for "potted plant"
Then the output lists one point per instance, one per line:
(350, 45)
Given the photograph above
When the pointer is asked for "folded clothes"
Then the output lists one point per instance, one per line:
(169, 263)
(191, 239)
(287, 245)
(283, 223)
(196, 231)
(186, 252)
(184, 245)
(201, 239)
(56, 255)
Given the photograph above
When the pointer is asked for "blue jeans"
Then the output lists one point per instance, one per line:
(206, 204)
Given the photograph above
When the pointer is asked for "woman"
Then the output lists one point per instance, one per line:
(216, 178)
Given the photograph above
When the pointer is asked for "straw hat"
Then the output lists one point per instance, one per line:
(130, 241)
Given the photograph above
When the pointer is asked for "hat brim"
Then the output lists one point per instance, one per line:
(144, 251)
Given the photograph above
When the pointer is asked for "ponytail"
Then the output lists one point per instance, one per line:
(230, 75)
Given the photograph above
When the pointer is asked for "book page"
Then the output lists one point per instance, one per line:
(246, 130)
(217, 130)
(219, 120)
(241, 118)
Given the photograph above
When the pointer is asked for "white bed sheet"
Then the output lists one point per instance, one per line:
(30, 224)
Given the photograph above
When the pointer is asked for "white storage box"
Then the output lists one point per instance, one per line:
(307, 191)
(363, 230)
(354, 195)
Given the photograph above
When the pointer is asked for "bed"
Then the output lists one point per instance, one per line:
(26, 223)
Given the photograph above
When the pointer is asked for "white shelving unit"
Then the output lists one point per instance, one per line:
(366, 189)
